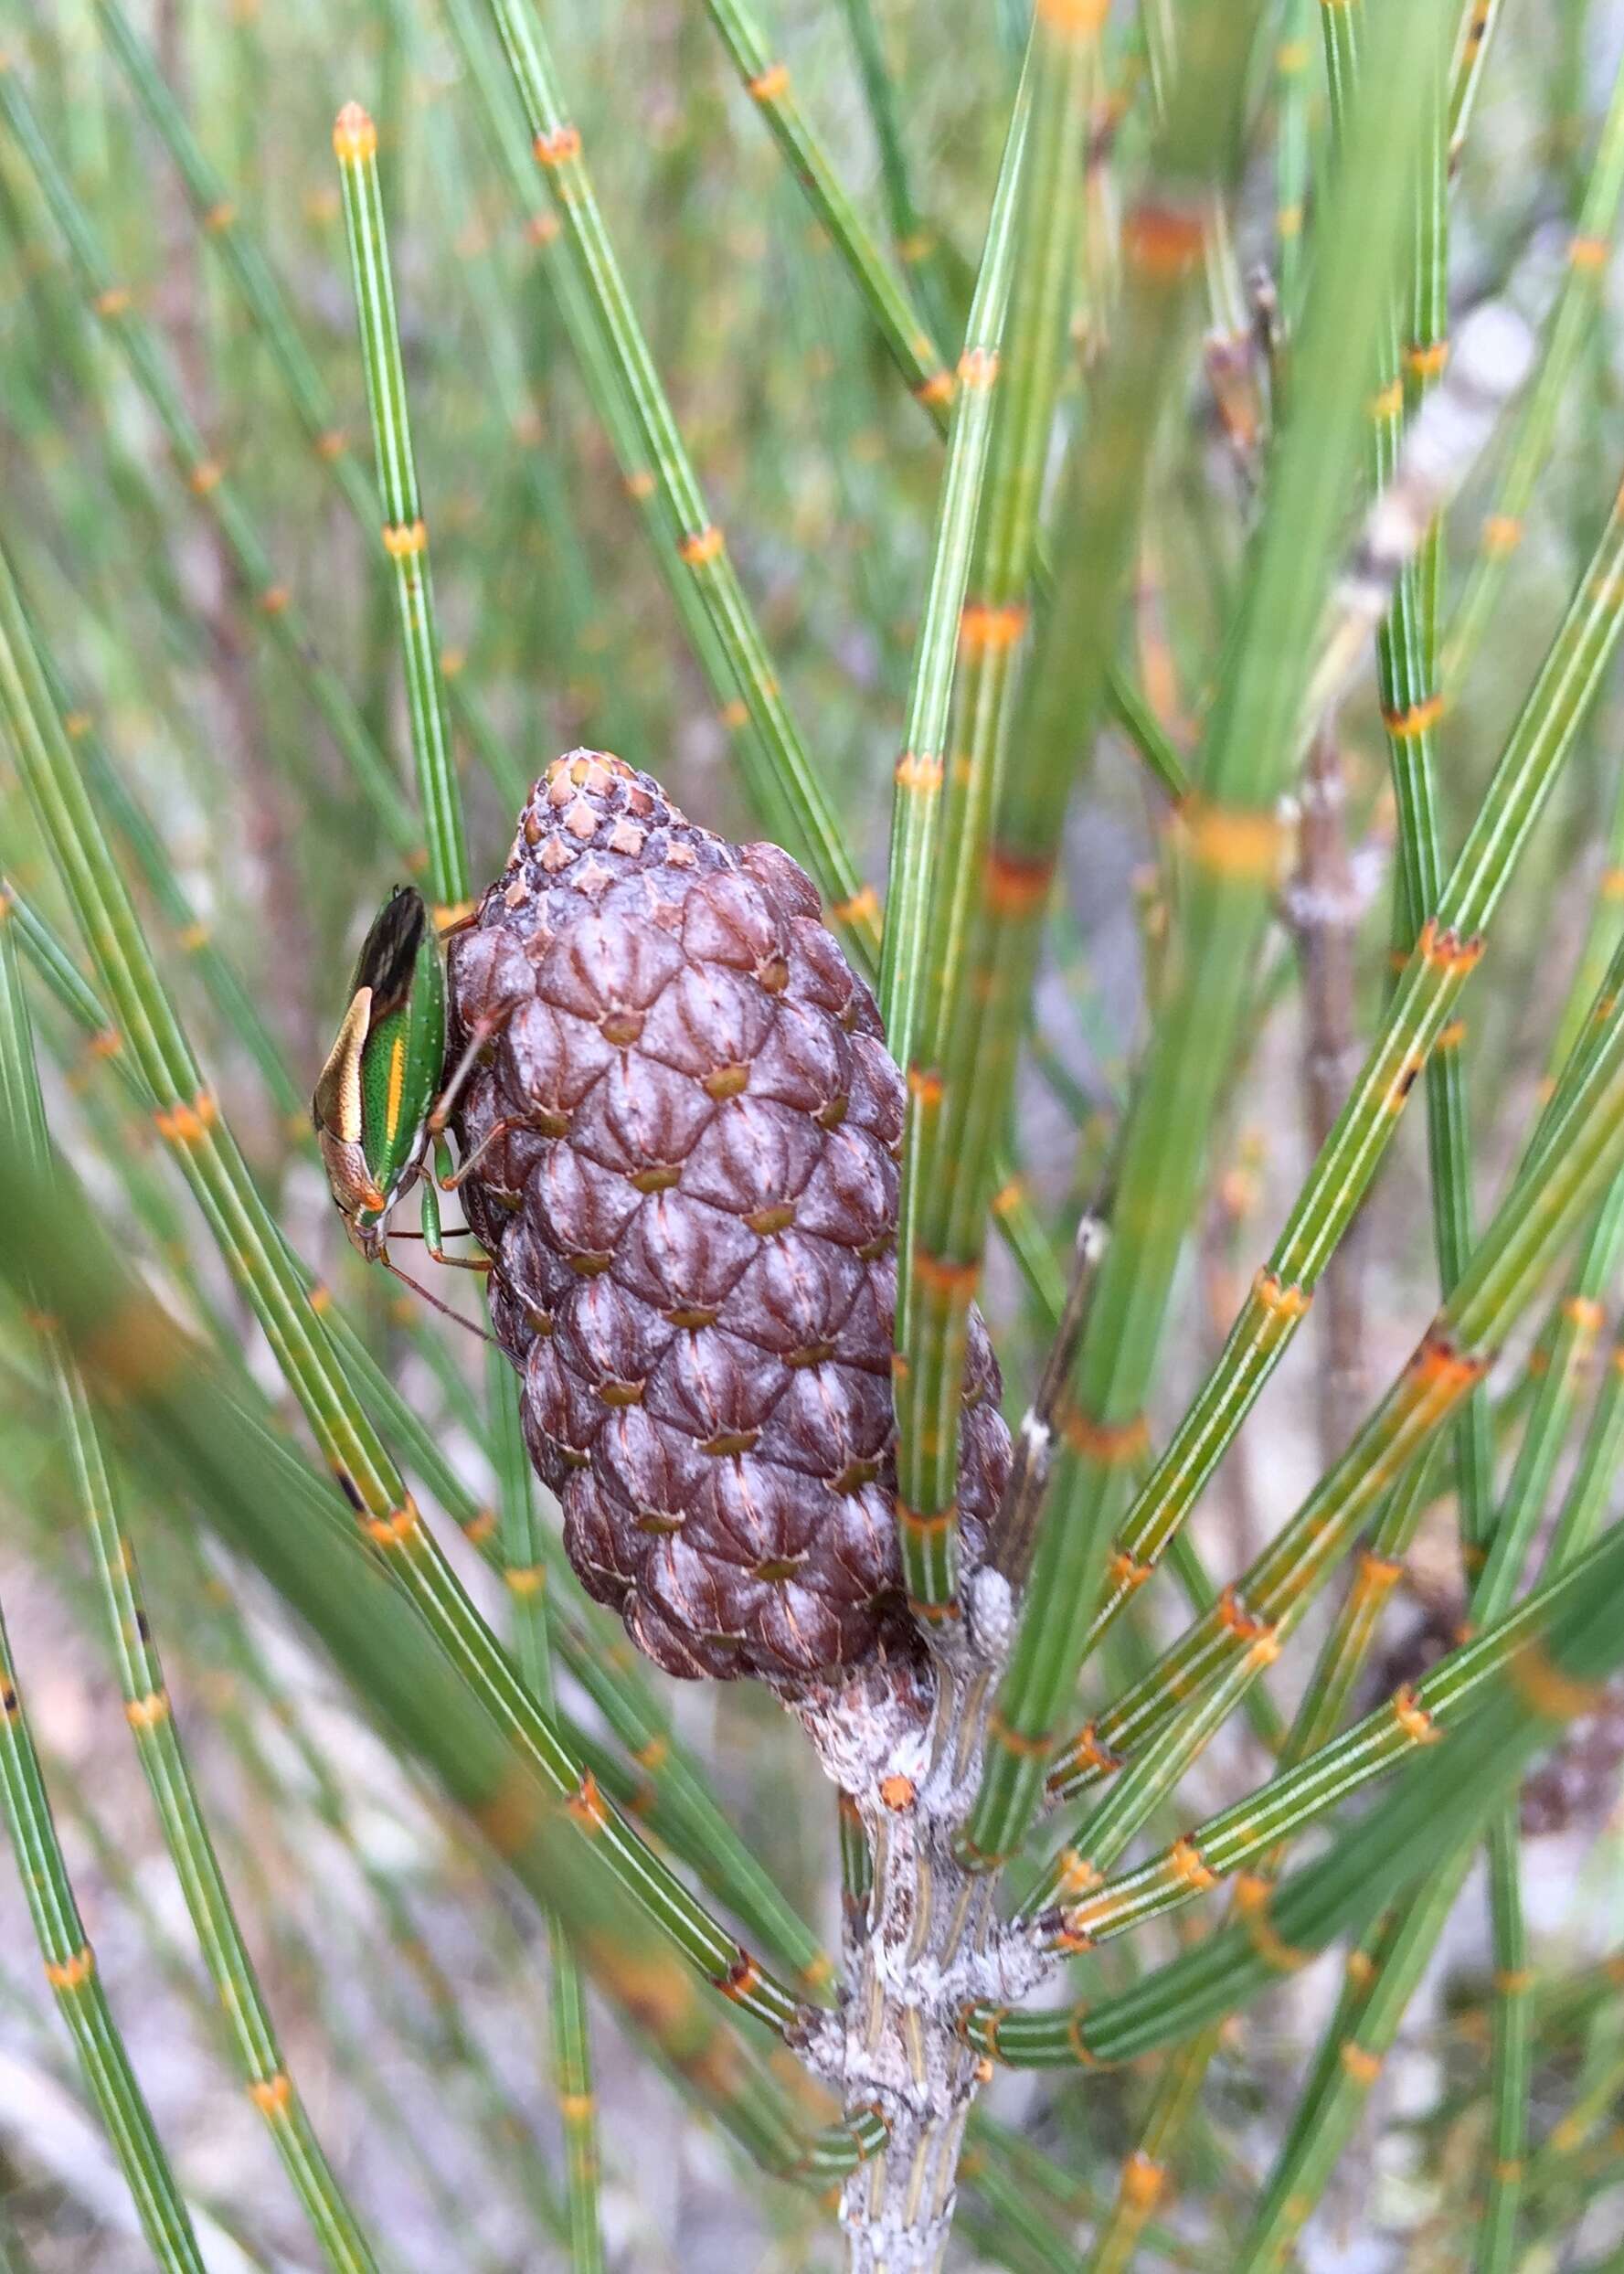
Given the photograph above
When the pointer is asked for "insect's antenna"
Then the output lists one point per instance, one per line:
(443, 1308)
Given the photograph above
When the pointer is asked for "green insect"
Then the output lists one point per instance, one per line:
(380, 1107)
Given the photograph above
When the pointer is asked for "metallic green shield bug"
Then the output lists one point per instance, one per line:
(375, 1100)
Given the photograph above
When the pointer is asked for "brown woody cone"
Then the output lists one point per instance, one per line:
(690, 1201)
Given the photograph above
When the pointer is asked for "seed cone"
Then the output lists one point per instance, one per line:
(687, 1134)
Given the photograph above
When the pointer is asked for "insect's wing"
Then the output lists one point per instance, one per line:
(426, 1044)
(401, 1059)
(336, 1107)
(374, 1096)
(387, 963)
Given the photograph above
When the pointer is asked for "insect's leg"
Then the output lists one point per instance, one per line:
(433, 1239)
(449, 1178)
(480, 1034)
(432, 1300)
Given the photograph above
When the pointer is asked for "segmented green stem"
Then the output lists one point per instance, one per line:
(917, 242)
(1601, 935)
(626, 393)
(1569, 1365)
(189, 1117)
(70, 1969)
(1418, 1019)
(1144, 2171)
(1510, 2047)
(698, 542)
(405, 533)
(1479, 19)
(1353, 1630)
(1586, 1498)
(569, 613)
(1436, 1808)
(505, 132)
(1529, 449)
(1201, 1592)
(233, 236)
(669, 1788)
(149, 1711)
(934, 1280)
(1398, 1954)
(160, 1395)
(1244, 1837)
(1571, 1359)
(1233, 848)
(205, 478)
(899, 323)
(442, 2037)
(1293, 63)
(240, 1013)
(1407, 681)
(1383, 1971)
(526, 1577)
(1001, 828)
(914, 353)
(1243, 1630)
(69, 1960)
(916, 801)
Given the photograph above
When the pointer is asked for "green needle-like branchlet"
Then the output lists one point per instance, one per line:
(698, 542)
(1417, 1020)
(1231, 848)
(1479, 19)
(616, 366)
(150, 1712)
(1243, 1837)
(527, 1576)
(189, 1117)
(1244, 1626)
(173, 1415)
(70, 1969)
(667, 1784)
(1445, 1797)
(204, 475)
(405, 533)
(1527, 451)
(915, 799)
(68, 1958)
(935, 1281)
(227, 230)
(916, 243)
(900, 324)
(1000, 833)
